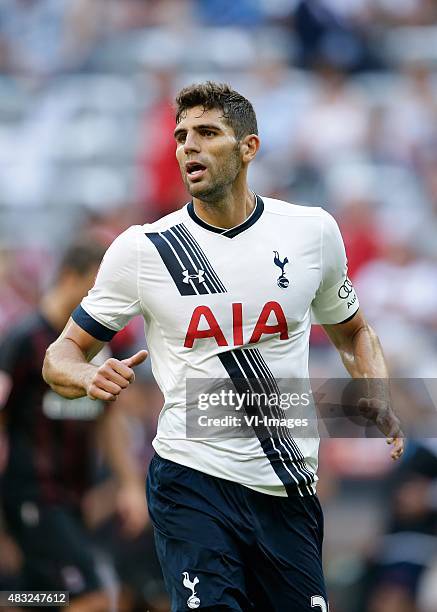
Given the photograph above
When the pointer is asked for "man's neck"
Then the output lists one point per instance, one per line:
(230, 211)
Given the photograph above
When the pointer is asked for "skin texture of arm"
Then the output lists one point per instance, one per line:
(362, 356)
(68, 371)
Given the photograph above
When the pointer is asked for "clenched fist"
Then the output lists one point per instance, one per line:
(113, 376)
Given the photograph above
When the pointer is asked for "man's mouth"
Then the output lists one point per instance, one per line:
(195, 170)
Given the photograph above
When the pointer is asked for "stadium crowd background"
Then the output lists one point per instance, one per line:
(346, 97)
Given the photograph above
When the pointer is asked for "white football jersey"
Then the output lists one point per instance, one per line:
(227, 303)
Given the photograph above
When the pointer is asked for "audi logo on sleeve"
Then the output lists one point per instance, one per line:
(345, 290)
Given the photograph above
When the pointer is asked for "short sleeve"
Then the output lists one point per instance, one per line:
(113, 301)
(335, 300)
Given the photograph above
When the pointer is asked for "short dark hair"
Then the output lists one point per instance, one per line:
(237, 110)
(81, 256)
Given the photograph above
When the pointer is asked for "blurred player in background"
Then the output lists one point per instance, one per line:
(226, 286)
(409, 546)
(52, 445)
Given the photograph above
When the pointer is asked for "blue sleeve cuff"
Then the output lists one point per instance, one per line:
(90, 325)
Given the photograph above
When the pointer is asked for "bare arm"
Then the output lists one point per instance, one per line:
(359, 348)
(362, 356)
(68, 371)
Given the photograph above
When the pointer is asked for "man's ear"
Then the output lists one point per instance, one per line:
(249, 146)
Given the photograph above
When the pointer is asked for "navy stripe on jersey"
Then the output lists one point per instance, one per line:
(269, 385)
(280, 461)
(246, 379)
(185, 261)
(90, 325)
(199, 286)
(188, 240)
(172, 263)
(262, 369)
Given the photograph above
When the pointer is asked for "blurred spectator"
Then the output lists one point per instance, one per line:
(410, 545)
(398, 294)
(135, 560)
(20, 280)
(410, 12)
(45, 36)
(429, 229)
(227, 12)
(32, 30)
(281, 99)
(362, 237)
(161, 189)
(330, 31)
(51, 443)
(334, 124)
(411, 117)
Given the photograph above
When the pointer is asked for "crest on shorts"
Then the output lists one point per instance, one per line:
(193, 601)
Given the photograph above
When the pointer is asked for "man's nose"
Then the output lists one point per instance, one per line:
(191, 143)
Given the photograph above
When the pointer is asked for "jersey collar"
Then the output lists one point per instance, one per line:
(233, 231)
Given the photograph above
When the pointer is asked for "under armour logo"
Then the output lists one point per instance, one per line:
(187, 276)
(282, 281)
(193, 601)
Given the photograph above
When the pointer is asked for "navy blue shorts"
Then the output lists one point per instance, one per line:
(223, 546)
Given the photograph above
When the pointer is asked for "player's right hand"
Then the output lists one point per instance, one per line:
(113, 376)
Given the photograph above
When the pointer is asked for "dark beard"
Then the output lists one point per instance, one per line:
(216, 191)
(213, 193)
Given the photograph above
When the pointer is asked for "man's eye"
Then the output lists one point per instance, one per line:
(180, 138)
(208, 133)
